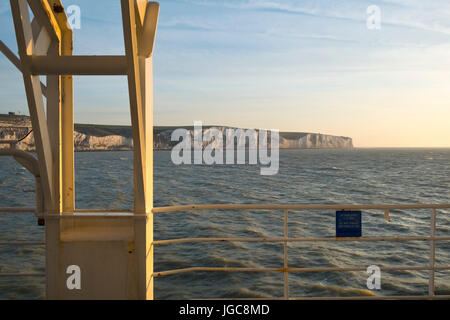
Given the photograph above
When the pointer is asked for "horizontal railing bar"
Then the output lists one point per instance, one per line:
(17, 210)
(213, 269)
(442, 268)
(189, 240)
(298, 207)
(22, 275)
(22, 243)
(392, 268)
(254, 207)
(331, 269)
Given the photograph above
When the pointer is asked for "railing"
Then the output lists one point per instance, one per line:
(431, 267)
(21, 243)
(286, 269)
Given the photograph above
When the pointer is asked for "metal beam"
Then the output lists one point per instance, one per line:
(25, 44)
(54, 123)
(67, 127)
(299, 207)
(135, 92)
(147, 38)
(60, 15)
(44, 15)
(78, 65)
(141, 104)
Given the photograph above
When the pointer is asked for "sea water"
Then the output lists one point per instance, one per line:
(363, 176)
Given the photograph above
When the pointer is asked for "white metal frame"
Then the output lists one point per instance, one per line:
(45, 45)
(46, 48)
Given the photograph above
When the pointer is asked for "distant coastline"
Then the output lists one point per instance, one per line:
(90, 137)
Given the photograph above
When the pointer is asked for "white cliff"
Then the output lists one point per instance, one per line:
(85, 142)
(113, 138)
(316, 141)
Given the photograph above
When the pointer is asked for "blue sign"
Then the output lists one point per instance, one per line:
(348, 224)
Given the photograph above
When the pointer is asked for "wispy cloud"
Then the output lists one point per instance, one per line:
(433, 16)
(186, 24)
(285, 6)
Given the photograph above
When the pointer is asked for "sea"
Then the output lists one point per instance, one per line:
(359, 176)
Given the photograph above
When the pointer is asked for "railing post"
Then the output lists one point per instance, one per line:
(286, 273)
(432, 252)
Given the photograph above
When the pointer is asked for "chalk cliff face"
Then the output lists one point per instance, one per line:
(113, 138)
(287, 140)
(317, 141)
(14, 133)
(108, 143)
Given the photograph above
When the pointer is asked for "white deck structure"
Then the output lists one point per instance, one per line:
(115, 255)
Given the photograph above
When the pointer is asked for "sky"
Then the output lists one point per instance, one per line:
(291, 65)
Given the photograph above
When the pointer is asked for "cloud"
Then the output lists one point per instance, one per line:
(432, 16)
(186, 24)
(285, 6)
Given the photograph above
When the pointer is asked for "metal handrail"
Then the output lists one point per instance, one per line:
(287, 270)
(291, 207)
(431, 267)
(368, 239)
